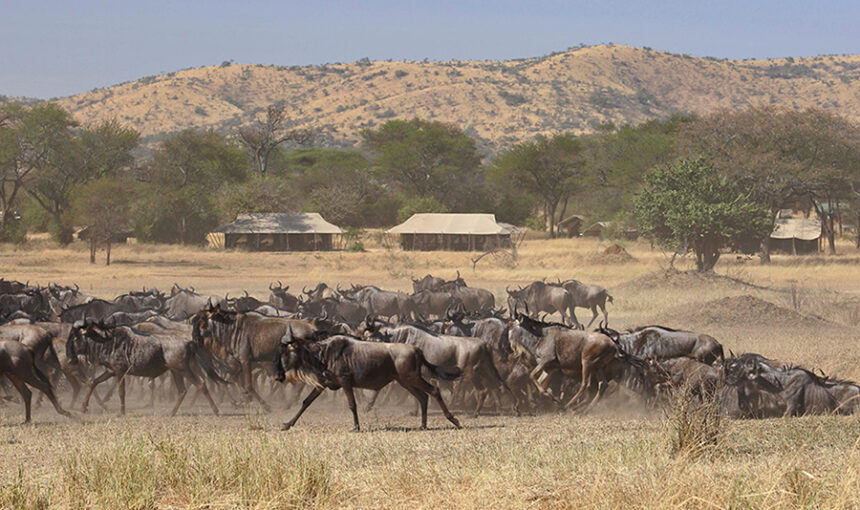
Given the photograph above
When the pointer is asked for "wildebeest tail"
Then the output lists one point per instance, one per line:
(41, 375)
(448, 374)
(609, 297)
(205, 361)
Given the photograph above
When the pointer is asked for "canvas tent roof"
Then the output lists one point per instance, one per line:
(451, 223)
(806, 229)
(279, 223)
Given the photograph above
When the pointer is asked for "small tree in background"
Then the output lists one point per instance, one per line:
(549, 168)
(265, 135)
(689, 204)
(103, 206)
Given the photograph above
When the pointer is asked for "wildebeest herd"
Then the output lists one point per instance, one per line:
(444, 336)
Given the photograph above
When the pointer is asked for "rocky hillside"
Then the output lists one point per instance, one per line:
(501, 102)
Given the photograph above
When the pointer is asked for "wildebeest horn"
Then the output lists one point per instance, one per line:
(731, 353)
(458, 275)
(77, 288)
(338, 287)
(246, 293)
(305, 290)
(272, 286)
(192, 288)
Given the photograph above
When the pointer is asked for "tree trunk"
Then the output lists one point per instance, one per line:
(765, 251)
(107, 250)
(183, 227)
(92, 248)
(552, 210)
(857, 239)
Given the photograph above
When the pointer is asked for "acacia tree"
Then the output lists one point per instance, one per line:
(266, 134)
(32, 141)
(549, 168)
(780, 156)
(103, 206)
(688, 204)
(99, 150)
(428, 159)
(182, 178)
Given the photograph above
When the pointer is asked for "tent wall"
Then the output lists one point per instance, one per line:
(454, 242)
(280, 242)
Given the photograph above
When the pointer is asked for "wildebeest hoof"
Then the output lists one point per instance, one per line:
(286, 426)
(355, 429)
(456, 423)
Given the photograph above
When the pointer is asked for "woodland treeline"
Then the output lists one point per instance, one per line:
(58, 174)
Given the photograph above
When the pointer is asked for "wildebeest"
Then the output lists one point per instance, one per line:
(385, 303)
(586, 296)
(321, 291)
(703, 380)
(470, 356)
(474, 299)
(183, 303)
(123, 351)
(241, 340)
(343, 362)
(432, 303)
(281, 299)
(800, 390)
(540, 297)
(660, 343)
(97, 309)
(18, 364)
(429, 282)
(548, 347)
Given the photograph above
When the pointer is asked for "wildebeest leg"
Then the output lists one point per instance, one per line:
(121, 391)
(248, 381)
(307, 402)
(179, 381)
(372, 401)
(26, 395)
(422, 402)
(573, 318)
(434, 392)
(593, 316)
(41, 383)
(350, 400)
(92, 386)
(605, 314)
(543, 388)
(601, 388)
(152, 393)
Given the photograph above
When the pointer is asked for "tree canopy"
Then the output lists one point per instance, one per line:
(689, 204)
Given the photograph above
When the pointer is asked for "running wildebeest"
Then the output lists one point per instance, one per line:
(550, 347)
(18, 364)
(242, 340)
(470, 356)
(540, 297)
(660, 343)
(344, 362)
(586, 296)
(123, 351)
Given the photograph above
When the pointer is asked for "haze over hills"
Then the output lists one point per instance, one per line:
(502, 102)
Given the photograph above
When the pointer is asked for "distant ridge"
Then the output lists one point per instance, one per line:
(500, 102)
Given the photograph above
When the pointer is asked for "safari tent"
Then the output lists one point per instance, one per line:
(795, 235)
(280, 232)
(453, 231)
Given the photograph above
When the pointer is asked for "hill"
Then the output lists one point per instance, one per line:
(500, 102)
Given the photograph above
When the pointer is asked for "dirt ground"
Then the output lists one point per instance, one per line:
(801, 309)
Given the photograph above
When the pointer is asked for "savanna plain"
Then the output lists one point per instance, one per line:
(803, 309)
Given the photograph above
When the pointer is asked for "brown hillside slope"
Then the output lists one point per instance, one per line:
(502, 102)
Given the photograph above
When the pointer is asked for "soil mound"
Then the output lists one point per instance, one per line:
(672, 278)
(613, 254)
(743, 310)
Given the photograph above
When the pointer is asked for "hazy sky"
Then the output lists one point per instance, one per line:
(57, 48)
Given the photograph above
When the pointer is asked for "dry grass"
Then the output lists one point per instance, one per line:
(616, 457)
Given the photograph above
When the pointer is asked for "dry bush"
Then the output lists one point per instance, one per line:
(695, 425)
